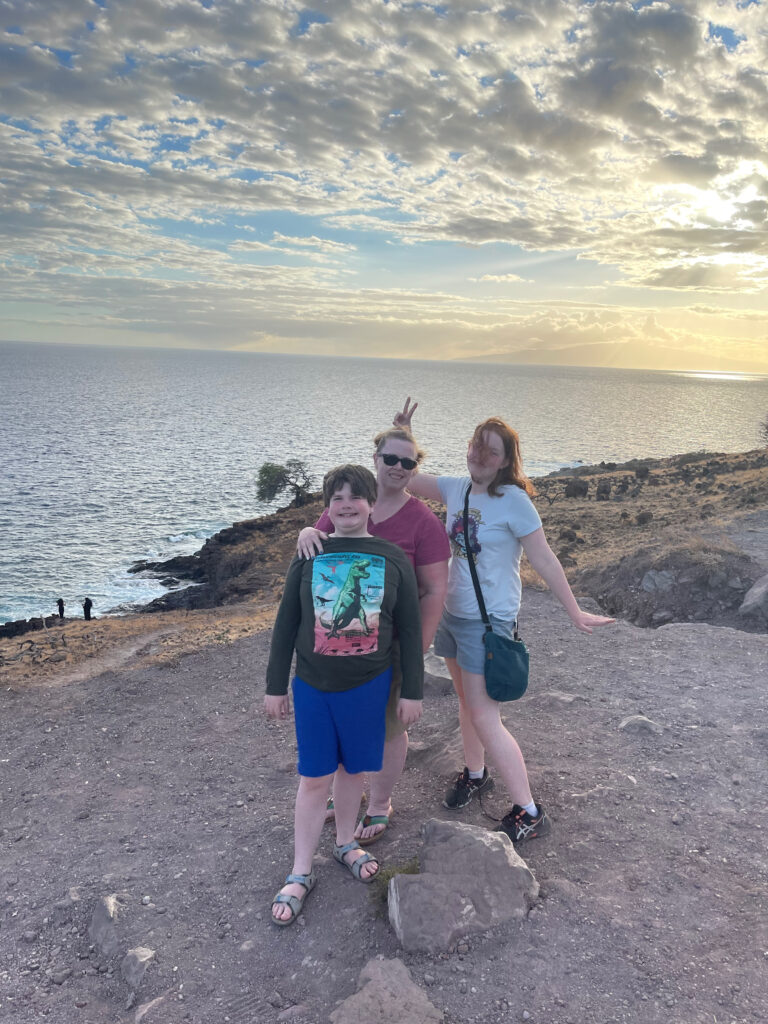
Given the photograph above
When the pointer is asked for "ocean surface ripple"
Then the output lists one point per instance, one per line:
(110, 455)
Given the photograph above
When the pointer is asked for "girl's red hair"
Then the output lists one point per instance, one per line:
(512, 473)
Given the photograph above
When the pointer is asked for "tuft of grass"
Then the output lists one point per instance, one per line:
(380, 884)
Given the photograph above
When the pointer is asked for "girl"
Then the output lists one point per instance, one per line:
(503, 522)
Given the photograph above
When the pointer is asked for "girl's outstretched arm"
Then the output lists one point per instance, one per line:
(544, 561)
(424, 485)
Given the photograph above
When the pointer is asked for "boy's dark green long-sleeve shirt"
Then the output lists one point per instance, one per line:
(340, 611)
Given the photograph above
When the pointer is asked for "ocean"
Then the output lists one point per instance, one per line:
(110, 455)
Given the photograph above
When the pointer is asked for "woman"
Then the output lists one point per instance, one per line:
(404, 520)
(502, 522)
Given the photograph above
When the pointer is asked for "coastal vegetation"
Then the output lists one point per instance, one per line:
(292, 477)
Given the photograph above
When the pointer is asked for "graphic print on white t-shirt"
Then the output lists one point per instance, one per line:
(456, 534)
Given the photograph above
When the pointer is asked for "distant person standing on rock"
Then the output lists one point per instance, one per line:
(502, 522)
(403, 520)
(60, 605)
(87, 605)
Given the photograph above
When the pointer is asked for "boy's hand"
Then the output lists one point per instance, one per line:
(403, 419)
(408, 711)
(276, 707)
(310, 542)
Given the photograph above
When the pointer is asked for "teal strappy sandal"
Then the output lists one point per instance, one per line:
(356, 866)
(294, 903)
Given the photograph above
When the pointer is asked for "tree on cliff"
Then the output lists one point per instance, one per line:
(293, 476)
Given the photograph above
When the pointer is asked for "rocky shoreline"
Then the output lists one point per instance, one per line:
(650, 540)
(683, 539)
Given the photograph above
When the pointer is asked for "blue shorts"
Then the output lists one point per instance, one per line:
(462, 639)
(344, 728)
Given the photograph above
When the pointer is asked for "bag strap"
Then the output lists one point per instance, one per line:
(473, 570)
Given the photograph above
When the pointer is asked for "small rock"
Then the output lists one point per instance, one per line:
(146, 1008)
(135, 964)
(657, 580)
(756, 600)
(386, 993)
(299, 1010)
(30, 936)
(641, 724)
(59, 977)
(102, 930)
(577, 488)
(429, 979)
(146, 900)
(603, 490)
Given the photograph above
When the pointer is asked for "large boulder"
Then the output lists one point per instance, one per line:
(470, 880)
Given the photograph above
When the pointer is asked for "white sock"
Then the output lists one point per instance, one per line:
(477, 775)
(531, 809)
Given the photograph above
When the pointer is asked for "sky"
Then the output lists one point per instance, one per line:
(550, 182)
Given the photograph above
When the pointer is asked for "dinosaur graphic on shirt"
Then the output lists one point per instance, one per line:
(347, 591)
(349, 603)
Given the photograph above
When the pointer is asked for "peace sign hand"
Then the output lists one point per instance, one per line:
(403, 419)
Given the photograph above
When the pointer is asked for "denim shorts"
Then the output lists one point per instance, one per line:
(345, 727)
(462, 639)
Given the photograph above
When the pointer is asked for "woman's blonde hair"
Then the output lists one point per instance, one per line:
(398, 434)
(512, 473)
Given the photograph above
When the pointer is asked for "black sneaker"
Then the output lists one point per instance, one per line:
(519, 825)
(464, 788)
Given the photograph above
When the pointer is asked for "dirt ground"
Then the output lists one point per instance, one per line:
(157, 778)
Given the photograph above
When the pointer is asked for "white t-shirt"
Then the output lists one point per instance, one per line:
(495, 524)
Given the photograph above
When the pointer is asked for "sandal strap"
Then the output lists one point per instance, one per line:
(375, 819)
(357, 865)
(306, 880)
(341, 851)
(294, 902)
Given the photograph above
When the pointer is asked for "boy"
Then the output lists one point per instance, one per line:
(339, 611)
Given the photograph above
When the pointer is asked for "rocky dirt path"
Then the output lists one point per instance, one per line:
(165, 785)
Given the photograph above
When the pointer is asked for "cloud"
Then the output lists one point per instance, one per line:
(502, 278)
(233, 150)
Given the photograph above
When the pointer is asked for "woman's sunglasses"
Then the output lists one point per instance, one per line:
(392, 460)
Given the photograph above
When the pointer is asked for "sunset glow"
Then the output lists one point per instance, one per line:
(562, 182)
